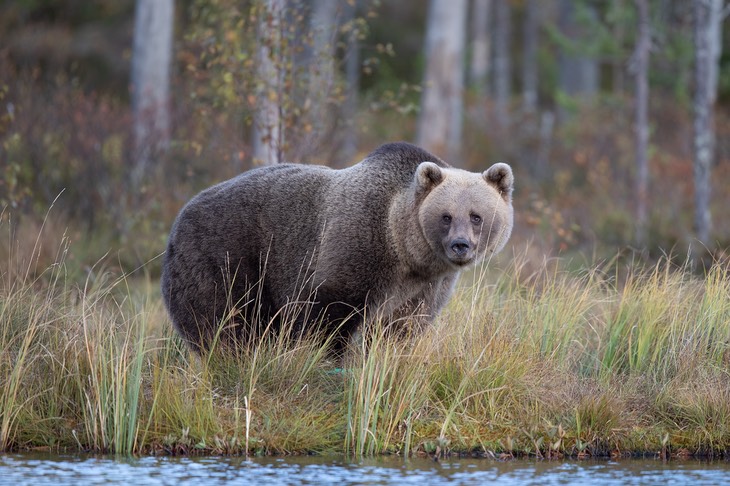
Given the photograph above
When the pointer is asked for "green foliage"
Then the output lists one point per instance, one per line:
(596, 37)
(607, 32)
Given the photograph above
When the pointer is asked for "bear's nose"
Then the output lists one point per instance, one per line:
(460, 246)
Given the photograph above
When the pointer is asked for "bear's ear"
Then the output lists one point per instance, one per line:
(500, 176)
(428, 175)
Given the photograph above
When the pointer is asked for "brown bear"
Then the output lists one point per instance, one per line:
(319, 247)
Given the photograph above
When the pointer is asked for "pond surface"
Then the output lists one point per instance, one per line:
(52, 469)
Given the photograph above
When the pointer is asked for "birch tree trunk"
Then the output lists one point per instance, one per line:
(440, 120)
(502, 64)
(643, 45)
(323, 28)
(708, 16)
(268, 133)
(150, 84)
(480, 46)
(352, 78)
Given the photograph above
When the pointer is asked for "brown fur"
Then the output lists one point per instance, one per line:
(372, 238)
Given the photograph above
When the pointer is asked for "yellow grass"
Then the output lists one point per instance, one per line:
(549, 362)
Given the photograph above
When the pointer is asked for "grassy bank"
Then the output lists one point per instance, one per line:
(612, 360)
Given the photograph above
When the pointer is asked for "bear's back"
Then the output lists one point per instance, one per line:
(400, 161)
(359, 197)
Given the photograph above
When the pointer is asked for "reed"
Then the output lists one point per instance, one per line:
(386, 386)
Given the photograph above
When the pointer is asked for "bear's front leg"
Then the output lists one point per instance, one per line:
(422, 309)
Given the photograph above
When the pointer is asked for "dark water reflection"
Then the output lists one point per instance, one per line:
(47, 469)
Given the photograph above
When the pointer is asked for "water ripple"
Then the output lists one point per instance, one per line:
(58, 470)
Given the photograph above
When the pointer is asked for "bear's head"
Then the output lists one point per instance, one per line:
(464, 215)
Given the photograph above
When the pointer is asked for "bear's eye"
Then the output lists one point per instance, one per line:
(446, 219)
(476, 219)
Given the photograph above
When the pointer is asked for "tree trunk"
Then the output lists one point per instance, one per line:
(643, 45)
(480, 48)
(323, 28)
(440, 121)
(352, 78)
(268, 133)
(618, 61)
(708, 16)
(577, 72)
(529, 59)
(502, 64)
(150, 86)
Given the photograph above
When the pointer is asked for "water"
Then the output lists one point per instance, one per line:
(57, 470)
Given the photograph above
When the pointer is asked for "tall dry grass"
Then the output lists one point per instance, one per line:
(547, 362)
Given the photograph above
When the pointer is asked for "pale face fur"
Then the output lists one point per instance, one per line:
(464, 215)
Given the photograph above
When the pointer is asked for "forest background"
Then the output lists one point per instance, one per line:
(594, 104)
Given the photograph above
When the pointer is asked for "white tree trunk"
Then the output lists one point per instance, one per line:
(643, 45)
(708, 16)
(150, 86)
(442, 106)
(502, 62)
(268, 133)
(480, 46)
(323, 28)
(352, 78)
